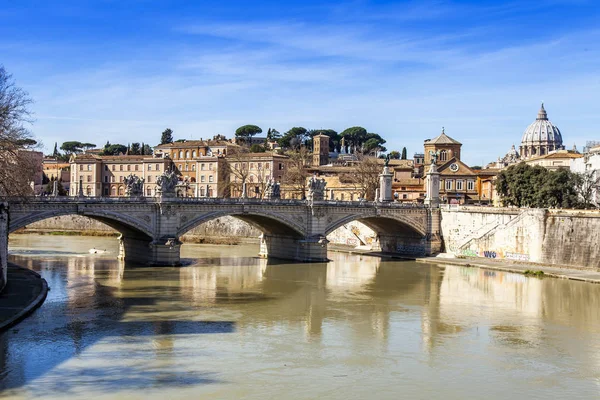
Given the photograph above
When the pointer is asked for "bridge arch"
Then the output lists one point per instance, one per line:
(386, 224)
(267, 222)
(120, 222)
(398, 234)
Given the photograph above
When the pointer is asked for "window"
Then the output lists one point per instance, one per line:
(280, 166)
(158, 167)
(187, 154)
(459, 184)
(113, 167)
(148, 192)
(179, 167)
(149, 167)
(121, 191)
(194, 154)
(405, 196)
(106, 178)
(210, 178)
(448, 184)
(120, 167)
(186, 167)
(106, 191)
(89, 167)
(202, 166)
(81, 167)
(180, 154)
(210, 167)
(112, 178)
(106, 167)
(114, 191)
(202, 178)
(193, 167)
(267, 165)
(251, 165)
(443, 155)
(149, 178)
(88, 191)
(470, 185)
(89, 178)
(202, 192)
(136, 167)
(120, 179)
(128, 167)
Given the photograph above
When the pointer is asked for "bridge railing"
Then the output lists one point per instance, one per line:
(210, 200)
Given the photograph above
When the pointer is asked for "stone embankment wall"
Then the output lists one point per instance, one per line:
(3, 244)
(559, 237)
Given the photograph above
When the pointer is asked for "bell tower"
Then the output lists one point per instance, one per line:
(320, 150)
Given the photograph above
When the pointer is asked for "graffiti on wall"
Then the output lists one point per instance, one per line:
(516, 256)
(507, 255)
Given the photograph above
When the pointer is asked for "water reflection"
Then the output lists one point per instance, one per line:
(232, 325)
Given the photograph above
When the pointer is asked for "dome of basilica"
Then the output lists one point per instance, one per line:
(541, 137)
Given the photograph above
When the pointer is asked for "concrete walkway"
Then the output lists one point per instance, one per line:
(507, 266)
(25, 291)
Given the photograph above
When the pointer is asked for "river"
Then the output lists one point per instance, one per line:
(229, 325)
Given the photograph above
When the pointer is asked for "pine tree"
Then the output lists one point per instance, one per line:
(55, 152)
(403, 153)
(167, 136)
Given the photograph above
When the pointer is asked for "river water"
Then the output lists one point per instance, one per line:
(229, 325)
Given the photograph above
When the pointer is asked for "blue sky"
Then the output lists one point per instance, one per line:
(123, 71)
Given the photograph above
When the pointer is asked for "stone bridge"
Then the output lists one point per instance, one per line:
(292, 229)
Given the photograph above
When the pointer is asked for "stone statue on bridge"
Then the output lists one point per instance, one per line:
(316, 189)
(134, 185)
(272, 191)
(166, 183)
(434, 156)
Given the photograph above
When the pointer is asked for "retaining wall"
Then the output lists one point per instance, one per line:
(555, 237)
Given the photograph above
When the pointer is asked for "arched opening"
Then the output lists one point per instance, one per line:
(379, 234)
(273, 236)
(133, 243)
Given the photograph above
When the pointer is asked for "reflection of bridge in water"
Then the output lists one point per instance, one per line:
(357, 300)
(295, 230)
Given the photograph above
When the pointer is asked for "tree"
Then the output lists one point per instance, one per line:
(257, 148)
(167, 136)
(72, 147)
(295, 174)
(17, 167)
(354, 136)
(55, 152)
(394, 155)
(294, 138)
(588, 188)
(365, 175)
(146, 150)
(273, 134)
(135, 149)
(114, 150)
(522, 185)
(403, 153)
(88, 146)
(244, 133)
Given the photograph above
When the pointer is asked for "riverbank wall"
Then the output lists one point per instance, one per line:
(3, 244)
(554, 237)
